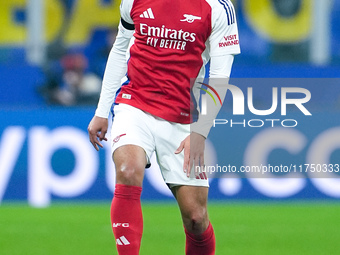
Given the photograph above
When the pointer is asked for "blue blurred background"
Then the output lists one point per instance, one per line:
(53, 55)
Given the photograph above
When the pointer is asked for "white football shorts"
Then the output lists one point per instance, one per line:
(134, 126)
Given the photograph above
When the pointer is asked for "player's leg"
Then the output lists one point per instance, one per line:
(130, 161)
(191, 193)
(132, 147)
(192, 201)
(126, 211)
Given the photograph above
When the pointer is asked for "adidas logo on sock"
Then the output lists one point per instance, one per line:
(147, 14)
(122, 241)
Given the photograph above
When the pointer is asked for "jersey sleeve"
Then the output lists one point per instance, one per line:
(114, 72)
(125, 10)
(224, 38)
(116, 64)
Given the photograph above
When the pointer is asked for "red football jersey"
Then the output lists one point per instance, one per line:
(173, 41)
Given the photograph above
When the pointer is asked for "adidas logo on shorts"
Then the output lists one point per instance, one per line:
(201, 176)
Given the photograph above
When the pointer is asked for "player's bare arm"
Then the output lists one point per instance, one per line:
(97, 130)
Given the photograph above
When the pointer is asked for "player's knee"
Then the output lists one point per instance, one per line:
(129, 174)
(195, 221)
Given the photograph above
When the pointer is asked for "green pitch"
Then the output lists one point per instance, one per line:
(241, 228)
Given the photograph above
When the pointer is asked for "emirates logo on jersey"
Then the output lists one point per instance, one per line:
(164, 37)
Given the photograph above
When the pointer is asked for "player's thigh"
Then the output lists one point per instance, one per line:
(130, 161)
(132, 144)
(192, 201)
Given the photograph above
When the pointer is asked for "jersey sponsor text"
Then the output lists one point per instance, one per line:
(229, 41)
(166, 37)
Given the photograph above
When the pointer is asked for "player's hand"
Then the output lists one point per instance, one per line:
(193, 146)
(97, 130)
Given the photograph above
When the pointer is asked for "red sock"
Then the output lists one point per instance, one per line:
(127, 219)
(203, 244)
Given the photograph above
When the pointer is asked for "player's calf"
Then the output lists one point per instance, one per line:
(201, 244)
(127, 219)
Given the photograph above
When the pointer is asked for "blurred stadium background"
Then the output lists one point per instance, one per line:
(55, 189)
